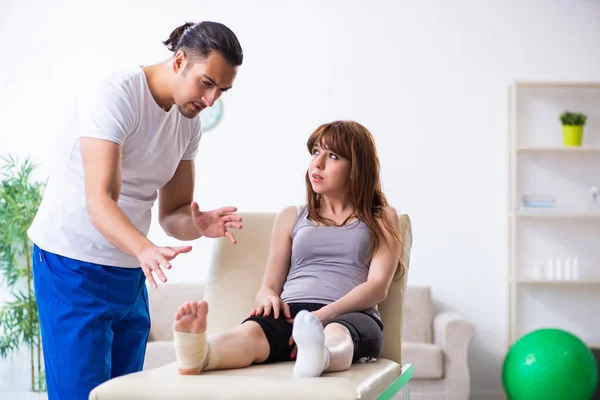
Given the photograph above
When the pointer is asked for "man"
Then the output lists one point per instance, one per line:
(132, 140)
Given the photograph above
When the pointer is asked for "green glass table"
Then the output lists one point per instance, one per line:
(400, 389)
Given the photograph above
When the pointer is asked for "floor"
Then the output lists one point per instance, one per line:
(7, 395)
(4, 395)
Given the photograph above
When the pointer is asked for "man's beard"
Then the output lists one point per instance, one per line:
(188, 114)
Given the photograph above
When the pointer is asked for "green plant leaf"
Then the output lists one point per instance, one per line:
(573, 118)
(20, 197)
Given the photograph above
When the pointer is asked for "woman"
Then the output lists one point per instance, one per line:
(330, 264)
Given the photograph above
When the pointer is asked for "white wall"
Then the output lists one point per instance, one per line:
(429, 78)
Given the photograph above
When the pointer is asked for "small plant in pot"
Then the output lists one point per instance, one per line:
(572, 124)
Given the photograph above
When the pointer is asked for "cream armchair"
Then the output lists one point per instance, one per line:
(437, 345)
(163, 303)
(234, 278)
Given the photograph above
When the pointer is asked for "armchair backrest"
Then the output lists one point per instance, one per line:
(391, 309)
(236, 272)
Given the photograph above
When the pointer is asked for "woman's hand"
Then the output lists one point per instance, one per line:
(323, 315)
(269, 301)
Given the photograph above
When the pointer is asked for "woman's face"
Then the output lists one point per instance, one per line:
(328, 172)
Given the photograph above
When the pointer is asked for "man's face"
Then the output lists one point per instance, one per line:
(199, 84)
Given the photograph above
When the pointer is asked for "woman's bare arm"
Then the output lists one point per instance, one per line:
(381, 272)
(280, 251)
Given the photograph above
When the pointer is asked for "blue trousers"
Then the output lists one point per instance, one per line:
(94, 321)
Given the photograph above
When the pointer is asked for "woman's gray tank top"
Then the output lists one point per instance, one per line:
(327, 261)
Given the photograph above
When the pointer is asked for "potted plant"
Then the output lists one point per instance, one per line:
(20, 197)
(572, 124)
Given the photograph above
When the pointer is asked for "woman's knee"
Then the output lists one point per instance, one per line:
(258, 345)
(340, 345)
(337, 332)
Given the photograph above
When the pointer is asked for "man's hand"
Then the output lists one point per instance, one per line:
(214, 224)
(152, 258)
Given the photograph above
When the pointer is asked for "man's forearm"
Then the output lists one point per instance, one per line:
(179, 224)
(106, 216)
(364, 296)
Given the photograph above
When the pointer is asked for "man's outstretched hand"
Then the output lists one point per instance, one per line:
(214, 224)
(153, 258)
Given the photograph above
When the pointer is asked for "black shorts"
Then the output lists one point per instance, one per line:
(366, 332)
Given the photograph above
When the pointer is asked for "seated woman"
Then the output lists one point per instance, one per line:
(330, 264)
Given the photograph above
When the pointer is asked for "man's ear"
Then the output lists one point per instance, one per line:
(179, 61)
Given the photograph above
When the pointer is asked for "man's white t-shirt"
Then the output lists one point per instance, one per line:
(122, 110)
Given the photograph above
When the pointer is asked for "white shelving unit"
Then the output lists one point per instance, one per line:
(539, 164)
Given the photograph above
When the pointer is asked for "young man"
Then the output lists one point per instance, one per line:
(132, 140)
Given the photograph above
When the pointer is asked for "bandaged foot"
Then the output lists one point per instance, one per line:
(192, 350)
(312, 357)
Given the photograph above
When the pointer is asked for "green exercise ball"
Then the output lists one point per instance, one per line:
(549, 364)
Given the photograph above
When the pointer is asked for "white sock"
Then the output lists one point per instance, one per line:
(312, 357)
(194, 351)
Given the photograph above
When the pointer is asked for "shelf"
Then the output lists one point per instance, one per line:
(550, 215)
(588, 281)
(557, 149)
(540, 164)
(548, 85)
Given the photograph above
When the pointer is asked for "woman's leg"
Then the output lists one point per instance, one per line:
(321, 350)
(346, 339)
(340, 346)
(351, 337)
(244, 345)
(312, 357)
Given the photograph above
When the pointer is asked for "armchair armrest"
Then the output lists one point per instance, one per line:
(453, 333)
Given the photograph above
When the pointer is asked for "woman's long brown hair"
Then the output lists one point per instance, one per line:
(354, 142)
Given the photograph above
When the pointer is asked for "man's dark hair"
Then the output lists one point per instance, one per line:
(199, 40)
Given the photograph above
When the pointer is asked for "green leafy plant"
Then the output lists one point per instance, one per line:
(20, 197)
(572, 118)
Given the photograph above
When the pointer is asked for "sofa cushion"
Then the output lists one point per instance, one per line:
(427, 359)
(270, 381)
(418, 313)
(164, 302)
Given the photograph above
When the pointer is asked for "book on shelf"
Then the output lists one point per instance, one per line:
(537, 202)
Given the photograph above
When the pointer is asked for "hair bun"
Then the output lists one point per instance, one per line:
(176, 35)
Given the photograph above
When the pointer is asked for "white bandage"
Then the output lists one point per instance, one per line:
(191, 350)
